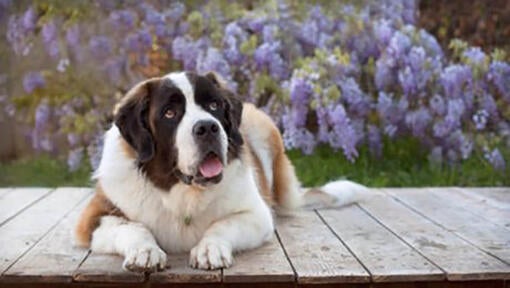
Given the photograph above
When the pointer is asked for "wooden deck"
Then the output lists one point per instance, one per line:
(434, 237)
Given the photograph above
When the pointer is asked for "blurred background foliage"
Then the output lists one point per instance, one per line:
(388, 93)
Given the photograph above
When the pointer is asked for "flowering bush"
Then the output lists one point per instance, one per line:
(344, 76)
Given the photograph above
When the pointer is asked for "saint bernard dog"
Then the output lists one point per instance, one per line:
(187, 167)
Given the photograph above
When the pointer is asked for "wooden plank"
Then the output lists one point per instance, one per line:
(264, 264)
(21, 233)
(181, 272)
(386, 256)
(105, 268)
(474, 204)
(458, 258)
(54, 258)
(317, 255)
(486, 235)
(16, 200)
(494, 196)
(4, 191)
(443, 284)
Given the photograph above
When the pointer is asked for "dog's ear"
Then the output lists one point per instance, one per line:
(233, 108)
(131, 117)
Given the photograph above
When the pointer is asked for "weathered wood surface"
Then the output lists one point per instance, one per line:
(499, 197)
(317, 255)
(11, 203)
(265, 264)
(438, 207)
(4, 191)
(386, 256)
(457, 257)
(441, 237)
(54, 253)
(180, 272)
(19, 234)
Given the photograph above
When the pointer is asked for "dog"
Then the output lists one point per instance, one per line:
(187, 167)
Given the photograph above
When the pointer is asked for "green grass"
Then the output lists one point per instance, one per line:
(399, 167)
(42, 171)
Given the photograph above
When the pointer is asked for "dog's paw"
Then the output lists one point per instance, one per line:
(211, 254)
(145, 259)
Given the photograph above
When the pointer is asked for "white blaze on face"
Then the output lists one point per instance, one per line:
(187, 149)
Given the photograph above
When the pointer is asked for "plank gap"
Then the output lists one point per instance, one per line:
(23, 208)
(343, 243)
(285, 253)
(401, 239)
(38, 239)
(453, 231)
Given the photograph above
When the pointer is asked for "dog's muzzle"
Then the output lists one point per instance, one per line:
(206, 134)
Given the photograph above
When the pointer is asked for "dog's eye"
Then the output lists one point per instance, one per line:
(213, 106)
(169, 114)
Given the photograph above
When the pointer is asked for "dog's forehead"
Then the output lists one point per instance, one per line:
(182, 82)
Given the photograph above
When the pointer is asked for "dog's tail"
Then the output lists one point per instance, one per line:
(333, 194)
(290, 195)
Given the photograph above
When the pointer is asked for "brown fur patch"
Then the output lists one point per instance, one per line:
(284, 179)
(89, 219)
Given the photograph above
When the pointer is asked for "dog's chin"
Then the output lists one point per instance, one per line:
(204, 182)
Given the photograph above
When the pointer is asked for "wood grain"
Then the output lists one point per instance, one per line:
(439, 208)
(16, 200)
(475, 204)
(105, 268)
(180, 272)
(4, 191)
(265, 264)
(316, 254)
(460, 259)
(386, 256)
(496, 196)
(26, 229)
(54, 258)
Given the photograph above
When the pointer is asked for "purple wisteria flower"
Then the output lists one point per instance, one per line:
(233, 38)
(49, 35)
(358, 102)
(383, 32)
(41, 141)
(100, 46)
(454, 78)
(495, 158)
(29, 20)
(418, 121)
(374, 140)
(123, 19)
(32, 81)
(17, 37)
(212, 60)
(342, 134)
(73, 36)
(499, 75)
(74, 159)
(475, 56)
(186, 50)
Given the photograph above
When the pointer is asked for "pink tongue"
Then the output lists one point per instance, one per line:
(211, 167)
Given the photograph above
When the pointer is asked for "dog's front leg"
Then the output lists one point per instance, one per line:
(130, 239)
(239, 231)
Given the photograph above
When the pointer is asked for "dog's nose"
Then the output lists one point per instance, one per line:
(204, 127)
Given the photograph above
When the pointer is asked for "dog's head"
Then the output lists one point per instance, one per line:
(182, 126)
